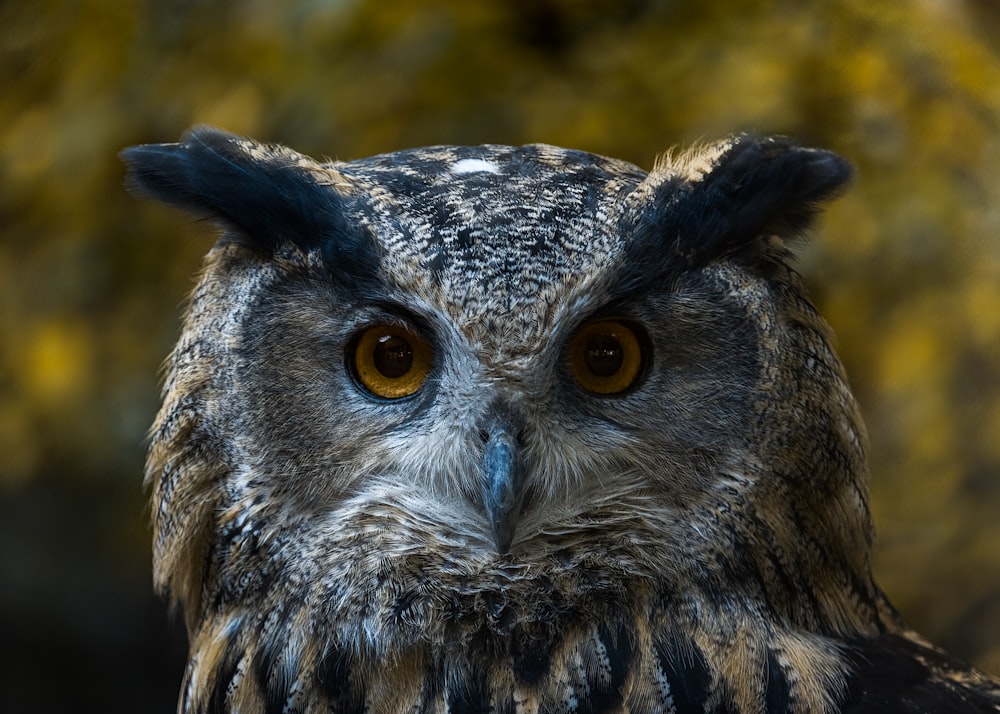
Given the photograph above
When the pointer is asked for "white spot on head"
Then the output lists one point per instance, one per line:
(471, 166)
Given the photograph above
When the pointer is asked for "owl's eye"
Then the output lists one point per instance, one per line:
(390, 361)
(605, 357)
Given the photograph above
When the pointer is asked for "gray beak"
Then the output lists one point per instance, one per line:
(502, 485)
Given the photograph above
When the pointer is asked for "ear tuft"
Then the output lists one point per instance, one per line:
(753, 187)
(270, 195)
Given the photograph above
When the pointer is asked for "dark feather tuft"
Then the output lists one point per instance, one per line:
(756, 188)
(267, 194)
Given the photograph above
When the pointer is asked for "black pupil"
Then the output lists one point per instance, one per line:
(393, 356)
(604, 355)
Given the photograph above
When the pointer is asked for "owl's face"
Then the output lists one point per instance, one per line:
(497, 376)
(438, 390)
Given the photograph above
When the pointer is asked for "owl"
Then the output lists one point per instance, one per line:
(518, 430)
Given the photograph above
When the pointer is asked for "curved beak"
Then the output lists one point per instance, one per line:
(502, 484)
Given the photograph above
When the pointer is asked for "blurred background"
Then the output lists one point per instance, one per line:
(906, 266)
